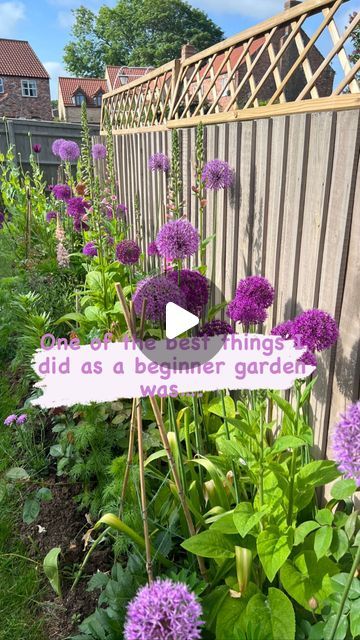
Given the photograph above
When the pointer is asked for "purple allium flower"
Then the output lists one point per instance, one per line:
(80, 224)
(195, 288)
(158, 291)
(164, 610)
(69, 150)
(10, 419)
(177, 240)
(217, 174)
(215, 328)
(308, 357)
(152, 249)
(61, 192)
(22, 418)
(51, 215)
(246, 311)
(98, 151)
(121, 211)
(36, 148)
(318, 330)
(55, 147)
(89, 249)
(62, 256)
(257, 289)
(159, 162)
(77, 207)
(128, 252)
(285, 330)
(346, 442)
(107, 211)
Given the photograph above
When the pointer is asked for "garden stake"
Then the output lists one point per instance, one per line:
(165, 441)
(233, 467)
(129, 459)
(143, 491)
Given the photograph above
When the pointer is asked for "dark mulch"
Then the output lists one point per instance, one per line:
(65, 526)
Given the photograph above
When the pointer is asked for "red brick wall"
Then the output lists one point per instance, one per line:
(14, 105)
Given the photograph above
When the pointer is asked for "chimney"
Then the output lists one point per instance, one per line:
(291, 3)
(187, 50)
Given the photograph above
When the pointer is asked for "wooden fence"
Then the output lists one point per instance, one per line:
(282, 65)
(292, 216)
(22, 133)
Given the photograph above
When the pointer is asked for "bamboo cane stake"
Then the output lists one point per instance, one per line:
(143, 492)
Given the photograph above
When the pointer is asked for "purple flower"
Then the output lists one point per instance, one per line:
(51, 215)
(318, 330)
(177, 240)
(110, 240)
(80, 224)
(257, 289)
(217, 174)
(61, 192)
(107, 211)
(195, 288)
(216, 328)
(308, 357)
(159, 162)
(121, 211)
(77, 207)
(285, 330)
(158, 291)
(10, 419)
(128, 252)
(55, 147)
(89, 249)
(98, 151)
(36, 148)
(69, 151)
(346, 442)
(246, 311)
(22, 418)
(152, 249)
(164, 610)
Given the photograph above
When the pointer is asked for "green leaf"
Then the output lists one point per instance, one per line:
(343, 489)
(56, 450)
(287, 442)
(228, 621)
(303, 530)
(224, 524)
(340, 544)
(68, 317)
(51, 569)
(44, 494)
(316, 474)
(306, 577)
(31, 510)
(216, 407)
(246, 519)
(322, 541)
(284, 406)
(340, 580)
(273, 549)
(355, 618)
(324, 516)
(341, 630)
(271, 617)
(17, 473)
(210, 544)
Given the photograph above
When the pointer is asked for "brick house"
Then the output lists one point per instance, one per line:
(74, 91)
(24, 82)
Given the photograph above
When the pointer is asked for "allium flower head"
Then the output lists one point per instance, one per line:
(89, 249)
(246, 311)
(257, 289)
(10, 420)
(22, 418)
(346, 442)
(80, 224)
(164, 610)
(217, 174)
(51, 215)
(61, 192)
(177, 240)
(195, 288)
(69, 150)
(55, 147)
(216, 328)
(62, 256)
(128, 252)
(158, 291)
(284, 329)
(152, 249)
(308, 357)
(121, 211)
(77, 207)
(159, 162)
(318, 330)
(36, 147)
(98, 151)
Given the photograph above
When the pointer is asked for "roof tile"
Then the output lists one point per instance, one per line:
(17, 58)
(88, 86)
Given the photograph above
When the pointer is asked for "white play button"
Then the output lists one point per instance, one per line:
(178, 320)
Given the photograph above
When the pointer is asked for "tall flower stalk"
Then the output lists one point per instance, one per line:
(175, 195)
(87, 170)
(199, 189)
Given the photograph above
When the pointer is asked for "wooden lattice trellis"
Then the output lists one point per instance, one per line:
(274, 67)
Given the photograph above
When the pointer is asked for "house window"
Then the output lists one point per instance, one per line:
(29, 88)
(1, 85)
(78, 99)
(98, 99)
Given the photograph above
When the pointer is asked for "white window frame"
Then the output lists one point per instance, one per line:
(29, 88)
(1, 85)
(78, 99)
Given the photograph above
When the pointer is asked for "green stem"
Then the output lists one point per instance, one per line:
(233, 466)
(261, 474)
(293, 460)
(178, 442)
(198, 439)
(215, 203)
(345, 593)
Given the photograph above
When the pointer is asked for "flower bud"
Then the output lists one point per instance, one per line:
(243, 560)
(313, 603)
